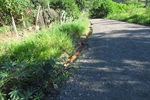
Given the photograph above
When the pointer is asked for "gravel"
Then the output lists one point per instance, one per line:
(116, 65)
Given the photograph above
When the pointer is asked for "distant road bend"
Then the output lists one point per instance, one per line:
(116, 65)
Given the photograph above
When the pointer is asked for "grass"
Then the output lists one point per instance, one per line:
(133, 12)
(45, 44)
(1, 30)
(5, 28)
(32, 67)
(137, 15)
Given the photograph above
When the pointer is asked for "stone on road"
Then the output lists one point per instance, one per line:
(116, 65)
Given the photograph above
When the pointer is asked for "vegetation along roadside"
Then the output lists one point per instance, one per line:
(32, 67)
(32, 61)
(134, 11)
(37, 36)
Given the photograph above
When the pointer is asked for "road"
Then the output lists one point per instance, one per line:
(116, 65)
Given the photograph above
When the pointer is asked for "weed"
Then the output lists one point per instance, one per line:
(30, 68)
(132, 13)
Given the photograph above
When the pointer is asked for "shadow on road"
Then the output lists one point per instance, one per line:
(116, 66)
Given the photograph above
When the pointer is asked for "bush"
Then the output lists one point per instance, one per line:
(132, 13)
(32, 69)
(147, 10)
(46, 43)
(42, 46)
(30, 81)
(109, 7)
(69, 6)
(104, 8)
(77, 28)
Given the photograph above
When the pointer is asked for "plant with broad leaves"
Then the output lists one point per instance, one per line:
(2, 96)
(14, 94)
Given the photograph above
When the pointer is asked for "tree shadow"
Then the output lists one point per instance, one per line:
(116, 67)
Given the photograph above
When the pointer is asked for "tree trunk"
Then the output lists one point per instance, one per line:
(37, 16)
(14, 25)
(41, 19)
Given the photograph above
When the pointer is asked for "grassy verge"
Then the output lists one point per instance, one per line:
(32, 68)
(142, 19)
(132, 14)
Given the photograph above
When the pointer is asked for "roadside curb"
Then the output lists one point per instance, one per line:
(80, 47)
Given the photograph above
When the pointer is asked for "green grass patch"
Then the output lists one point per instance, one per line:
(30, 68)
(142, 19)
(1, 30)
(4, 29)
(132, 13)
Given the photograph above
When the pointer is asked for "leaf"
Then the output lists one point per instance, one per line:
(24, 75)
(55, 86)
(38, 95)
(3, 75)
(1, 83)
(28, 94)
(2, 96)
(14, 94)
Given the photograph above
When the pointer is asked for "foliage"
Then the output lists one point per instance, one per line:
(133, 18)
(126, 1)
(32, 68)
(104, 8)
(46, 43)
(132, 13)
(24, 11)
(77, 28)
(23, 81)
(17, 7)
(82, 4)
(107, 7)
(1, 29)
(69, 6)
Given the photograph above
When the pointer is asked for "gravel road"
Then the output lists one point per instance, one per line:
(116, 65)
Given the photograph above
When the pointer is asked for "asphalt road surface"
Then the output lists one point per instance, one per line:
(116, 65)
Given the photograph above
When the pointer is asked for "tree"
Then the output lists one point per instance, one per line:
(69, 6)
(10, 8)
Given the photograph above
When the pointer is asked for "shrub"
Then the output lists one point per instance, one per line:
(77, 27)
(132, 13)
(30, 81)
(69, 6)
(106, 7)
(147, 10)
(33, 68)
(42, 46)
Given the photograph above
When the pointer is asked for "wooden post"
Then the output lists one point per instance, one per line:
(37, 16)
(14, 25)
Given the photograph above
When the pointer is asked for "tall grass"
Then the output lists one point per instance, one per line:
(30, 68)
(45, 44)
(132, 13)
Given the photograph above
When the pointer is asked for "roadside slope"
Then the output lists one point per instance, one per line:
(116, 65)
